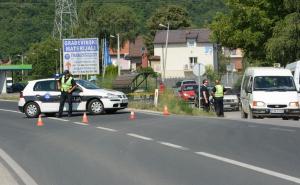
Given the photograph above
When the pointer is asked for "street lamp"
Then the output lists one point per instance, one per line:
(165, 55)
(60, 60)
(118, 53)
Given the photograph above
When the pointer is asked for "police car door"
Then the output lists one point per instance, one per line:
(48, 96)
(77, 103)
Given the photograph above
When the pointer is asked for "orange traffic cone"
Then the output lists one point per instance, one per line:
(40, 122)
(166, 112)
(85, 119)
(132, 115)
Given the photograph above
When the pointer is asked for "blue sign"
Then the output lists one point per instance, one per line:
(81, 56)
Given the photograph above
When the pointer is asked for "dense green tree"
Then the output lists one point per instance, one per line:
(176, 16)
(23, 23)
(106, 20)
(44, 57)
(259, 27)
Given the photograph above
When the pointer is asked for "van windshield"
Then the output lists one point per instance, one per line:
(274, 83)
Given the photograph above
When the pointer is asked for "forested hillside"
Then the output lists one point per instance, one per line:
(24, 22)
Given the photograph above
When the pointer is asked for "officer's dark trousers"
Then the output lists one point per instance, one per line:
(63, 97)
(219, 106)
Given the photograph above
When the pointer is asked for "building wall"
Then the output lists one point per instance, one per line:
(177, 64)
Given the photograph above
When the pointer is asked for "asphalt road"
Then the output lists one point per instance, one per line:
(150, 150)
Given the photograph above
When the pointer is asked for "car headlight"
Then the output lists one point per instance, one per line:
(258, 104)
(235, 101)
(111, 96)
(294, 104)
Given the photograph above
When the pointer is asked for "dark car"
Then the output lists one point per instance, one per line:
(16, 87)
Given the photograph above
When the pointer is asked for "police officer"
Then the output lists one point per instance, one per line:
(204, 95)
(66, 84)
(218, 93)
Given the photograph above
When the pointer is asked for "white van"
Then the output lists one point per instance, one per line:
(269, 92)
(295, 69)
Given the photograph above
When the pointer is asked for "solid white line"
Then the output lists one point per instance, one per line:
(5, 110)
(282, 129)
(26, 178)
(251, 167)
(79, 123)
(9, 100)
(59, 119)
(107, 129)
(172, 145)
(140, 137)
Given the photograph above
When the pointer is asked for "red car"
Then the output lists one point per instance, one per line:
(188, 92)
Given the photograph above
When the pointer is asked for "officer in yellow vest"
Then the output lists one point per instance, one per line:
(66, 84)
(218, 94)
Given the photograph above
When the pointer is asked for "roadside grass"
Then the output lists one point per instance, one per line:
(174, 104)
(12, 96)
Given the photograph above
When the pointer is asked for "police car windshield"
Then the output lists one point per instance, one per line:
(87, 84)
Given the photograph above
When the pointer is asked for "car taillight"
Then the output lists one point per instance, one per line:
(21, 94)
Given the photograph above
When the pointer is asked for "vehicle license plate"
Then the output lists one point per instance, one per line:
(226, 106)
(277, 111)
(125, 101)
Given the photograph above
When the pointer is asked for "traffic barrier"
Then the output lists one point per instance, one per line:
(40, 121)
(132, 115)
(166, 112)
(85, 119)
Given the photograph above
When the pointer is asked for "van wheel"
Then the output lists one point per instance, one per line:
(95, 107)
(285, 118)
(32, 110)
(296, 118)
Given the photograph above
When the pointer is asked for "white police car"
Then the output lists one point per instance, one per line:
(42, 96)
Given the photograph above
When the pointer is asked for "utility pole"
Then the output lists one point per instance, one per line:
(65, 20)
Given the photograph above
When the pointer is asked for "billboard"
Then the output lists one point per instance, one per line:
(81, 56)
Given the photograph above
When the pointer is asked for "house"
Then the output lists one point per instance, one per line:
(124, 51)
(133, 55)
(138, 54)
(185, 49)
(236, 57)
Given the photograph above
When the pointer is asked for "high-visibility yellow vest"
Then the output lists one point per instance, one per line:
(65, 86)
(219, 91)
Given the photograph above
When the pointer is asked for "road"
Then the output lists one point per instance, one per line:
(150, 150)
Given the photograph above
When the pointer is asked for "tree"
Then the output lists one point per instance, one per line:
(284, 46)
(176, 16)
(108, 19)
(44, 57)
(253, 25)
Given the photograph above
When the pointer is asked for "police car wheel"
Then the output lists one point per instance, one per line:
(95, 107)
(32, 110)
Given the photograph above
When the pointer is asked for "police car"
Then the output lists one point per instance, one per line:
(43, 96)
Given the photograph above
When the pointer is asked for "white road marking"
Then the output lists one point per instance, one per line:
(26, 178)
(59, 119)
(172, 145)
(79, 123)
(107, 129)
(5, 110)
(251, 167)
(282, 129)
(140, 137)
(8, 100)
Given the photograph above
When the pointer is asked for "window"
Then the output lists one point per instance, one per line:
(45, 86)
(274, 83)
(191, 43)
(193, 61)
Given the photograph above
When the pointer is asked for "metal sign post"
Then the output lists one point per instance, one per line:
(199, 70)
